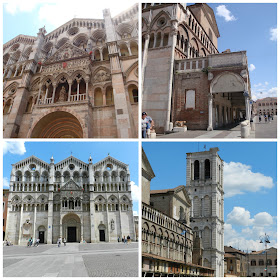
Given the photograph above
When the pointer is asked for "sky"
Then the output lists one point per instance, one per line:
(126, 152)
(250, 185)
(250, 27)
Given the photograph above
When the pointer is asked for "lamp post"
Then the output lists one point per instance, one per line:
(265, 239)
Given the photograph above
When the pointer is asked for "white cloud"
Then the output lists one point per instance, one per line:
(251, 229)
(263, 219)
(252, 67)
(50, 13)
(239, 216)
(14, 147)
(135, 192)
(264, 92)
(135, 213)
(14, 7)
(266, 83)
(239, 179)
(5, 182)
(222, 11)
(273, 34)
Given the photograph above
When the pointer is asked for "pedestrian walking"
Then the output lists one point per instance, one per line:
(59, 242)
(260, 117)
(128, 239)
(64, 241)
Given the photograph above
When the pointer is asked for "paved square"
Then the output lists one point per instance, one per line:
(73, 260)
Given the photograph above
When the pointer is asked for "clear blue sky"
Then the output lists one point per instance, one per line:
(126, 152)
(258, 182)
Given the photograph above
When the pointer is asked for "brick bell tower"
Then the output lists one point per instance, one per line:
(205, 187)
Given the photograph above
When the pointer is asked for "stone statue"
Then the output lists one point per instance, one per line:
(62, 95)
(112, 224)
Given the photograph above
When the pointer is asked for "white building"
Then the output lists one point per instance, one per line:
(205, 187)
(70, 199)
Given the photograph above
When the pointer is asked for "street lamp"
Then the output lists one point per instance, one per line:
(265, 239)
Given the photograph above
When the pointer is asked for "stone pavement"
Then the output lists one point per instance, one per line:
(263, 130)
(72, 260)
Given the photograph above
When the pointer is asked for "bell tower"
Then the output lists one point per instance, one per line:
(205, 186)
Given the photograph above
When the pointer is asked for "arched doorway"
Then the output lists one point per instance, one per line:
(41, 234)
(71, 228)
(58, 125)
(102, 231)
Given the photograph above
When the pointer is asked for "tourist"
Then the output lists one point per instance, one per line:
(272, 116)
(128, 239)
(260, 117)
(124, 240)
(59, 242)
(147, 125)
(64, 241)
(118, 239)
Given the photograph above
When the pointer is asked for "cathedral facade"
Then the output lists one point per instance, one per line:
(78, 201)
(186, 80)
(78, 81)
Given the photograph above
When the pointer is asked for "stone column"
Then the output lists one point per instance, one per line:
(22, 70)
(82, 227)
(210, 112)
(34, 223)
(50, 218)
(78, 90)
(16, 71)
(172, 57)
(53, 94)
(247, 105)
(87, 97)
(104, 98)
(129, 50)
(39, 95)
(60, 226)
(145, 57)
(69, 91)
(20, 225)
(47, 90)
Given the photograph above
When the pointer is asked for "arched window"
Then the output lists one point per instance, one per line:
(109, 96)
(133, 93)
(196, 170)
(98, 97)
(7, 107)
(269, 262)
(261, 262)
(253, 263)
(207, 169)
(165, 39)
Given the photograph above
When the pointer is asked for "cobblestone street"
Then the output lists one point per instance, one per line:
(73, 260)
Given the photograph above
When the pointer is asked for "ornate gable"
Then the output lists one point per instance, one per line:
(66, 52)
(71, 186)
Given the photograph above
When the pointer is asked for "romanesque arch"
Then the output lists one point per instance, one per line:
(71, 228)
(59, 124)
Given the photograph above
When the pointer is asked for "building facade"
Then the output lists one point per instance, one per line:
(185, 78)
(257, 263)
(78, 81)
(168, 244)
(266, 106)
(236, 262)
(71, 199)
(205, 188)
(5, 208)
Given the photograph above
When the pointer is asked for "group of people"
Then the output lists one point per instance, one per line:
(147, 125)
(35, 242)
(59, 241)
(266, 117)
(125, 240)
(7, 243)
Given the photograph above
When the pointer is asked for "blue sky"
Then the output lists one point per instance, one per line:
(250, 184)
(250, 27)
(126, 152)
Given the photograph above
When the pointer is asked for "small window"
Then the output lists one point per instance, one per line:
(190, 99)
